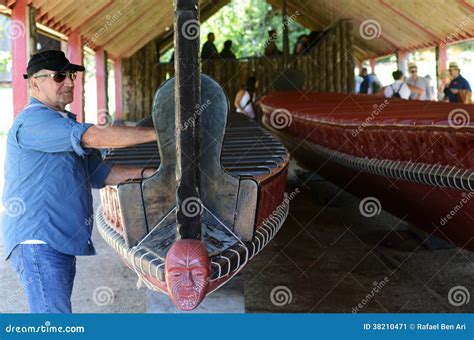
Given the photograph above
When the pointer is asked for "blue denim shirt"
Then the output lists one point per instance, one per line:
(48, 181)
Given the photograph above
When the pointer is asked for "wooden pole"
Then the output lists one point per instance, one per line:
(101, 79)
(118, 88)
(75, 54)
(187, 97)
(286, 39)
(17, 32)
(441, 59)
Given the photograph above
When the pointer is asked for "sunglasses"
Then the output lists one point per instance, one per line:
(59, 77)
(413, 71)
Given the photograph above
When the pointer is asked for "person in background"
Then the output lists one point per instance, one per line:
(443, 83)
(365, 83)
(226, 52)
(432, 91)
(209, 50)
(459, 89)
(245, 99)
(418, 82)
(399, 89)
(271, 49)
(302, 44)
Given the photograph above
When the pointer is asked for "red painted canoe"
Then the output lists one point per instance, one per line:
(414, 159)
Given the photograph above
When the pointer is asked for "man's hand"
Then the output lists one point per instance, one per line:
(116, 136)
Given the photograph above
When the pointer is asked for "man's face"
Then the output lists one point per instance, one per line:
(51, 92)
(187, 273)
(414, 72)
(211, 37)
(453, 72)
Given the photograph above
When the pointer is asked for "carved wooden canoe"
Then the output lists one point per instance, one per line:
(414, 157)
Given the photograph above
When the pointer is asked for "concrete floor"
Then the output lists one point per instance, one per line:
(326, 258)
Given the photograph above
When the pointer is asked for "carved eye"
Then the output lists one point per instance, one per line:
(176, 274)
(198, 273)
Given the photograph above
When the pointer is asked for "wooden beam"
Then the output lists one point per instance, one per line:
(441, 59)
(20, 52)
(373, 62)
(286, 40)
(118, 88)
(101, 78)
(75, 54)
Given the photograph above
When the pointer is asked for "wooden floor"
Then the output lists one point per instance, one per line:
(329, 258)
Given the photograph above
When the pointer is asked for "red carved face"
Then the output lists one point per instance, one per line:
(187, 271)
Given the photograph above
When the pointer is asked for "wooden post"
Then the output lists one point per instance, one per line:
(349, 56)
(373, 62)
(20, 52)
(286, 41)
(75, 54)
(402, 61)
(118, 88)
(330, 61)
(338, 81)
(187, 97)
(441, 59)
(101, 82)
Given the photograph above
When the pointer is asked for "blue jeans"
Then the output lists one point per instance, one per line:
(47, 277)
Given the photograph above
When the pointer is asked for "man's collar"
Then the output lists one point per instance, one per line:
(33, 100)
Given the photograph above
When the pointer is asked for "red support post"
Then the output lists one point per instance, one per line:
(19, 27)
(442, 60)
(75, 54)
(373, 62)
(118, 88)
(100, 75)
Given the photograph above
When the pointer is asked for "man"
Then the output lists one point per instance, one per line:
(398, 89)
(50, 168)
(418, 82)
(209, 50)
(459, 89)
(365, 81)
(271, 49)
(226, 52)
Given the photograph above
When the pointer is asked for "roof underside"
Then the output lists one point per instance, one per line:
(381, 27)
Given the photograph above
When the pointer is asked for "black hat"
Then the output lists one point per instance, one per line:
(50, 60)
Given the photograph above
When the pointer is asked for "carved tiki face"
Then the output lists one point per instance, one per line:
(187, 271)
